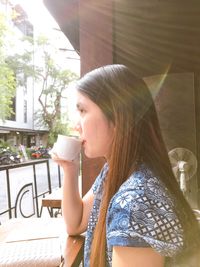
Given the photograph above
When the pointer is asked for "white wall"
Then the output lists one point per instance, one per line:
(16, 46)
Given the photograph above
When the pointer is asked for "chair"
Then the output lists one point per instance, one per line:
(38, 242)
(51, 202)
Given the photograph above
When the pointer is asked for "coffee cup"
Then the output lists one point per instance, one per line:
(67, 147)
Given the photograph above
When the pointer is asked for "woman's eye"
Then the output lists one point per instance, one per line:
(81, 111)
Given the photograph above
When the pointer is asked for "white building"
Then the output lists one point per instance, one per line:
(21, 128)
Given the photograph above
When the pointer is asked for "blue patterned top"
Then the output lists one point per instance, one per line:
(140, 214)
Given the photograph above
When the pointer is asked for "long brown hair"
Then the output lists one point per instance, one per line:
(127, 102)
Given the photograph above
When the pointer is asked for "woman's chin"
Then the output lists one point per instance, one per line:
(90, 154)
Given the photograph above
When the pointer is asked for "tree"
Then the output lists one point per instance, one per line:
(51, 81)
(7, 77)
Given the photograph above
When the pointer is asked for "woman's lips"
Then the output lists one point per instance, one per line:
(83, 143)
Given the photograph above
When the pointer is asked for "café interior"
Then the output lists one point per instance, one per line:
(160, 41)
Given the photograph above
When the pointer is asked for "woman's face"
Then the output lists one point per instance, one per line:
(94, 128)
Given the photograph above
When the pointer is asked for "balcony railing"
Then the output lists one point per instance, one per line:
(29, 190)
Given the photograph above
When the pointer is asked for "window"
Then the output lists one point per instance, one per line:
(13, 106)
(25, 100)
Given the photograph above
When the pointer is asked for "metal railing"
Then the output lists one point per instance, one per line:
(29, 188)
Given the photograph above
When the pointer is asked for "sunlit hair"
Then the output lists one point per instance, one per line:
(127, 102)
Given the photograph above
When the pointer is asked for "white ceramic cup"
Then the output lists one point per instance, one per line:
(67, 147)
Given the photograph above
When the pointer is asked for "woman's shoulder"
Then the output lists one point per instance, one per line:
(143, 183)
(142, 213)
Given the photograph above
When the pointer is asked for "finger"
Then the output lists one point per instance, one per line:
(54, 156)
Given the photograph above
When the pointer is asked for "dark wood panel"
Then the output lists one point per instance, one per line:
(66, 13)
(95, 34)
(175, 103)
(96, 50)
(197, 121)
(157, 36)
(174, 96)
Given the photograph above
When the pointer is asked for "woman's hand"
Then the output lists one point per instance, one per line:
(75, 210)
(66, 164)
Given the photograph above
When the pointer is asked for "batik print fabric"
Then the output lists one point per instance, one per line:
(141, 214)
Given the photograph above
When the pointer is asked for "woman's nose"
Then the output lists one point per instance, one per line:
(77, 127)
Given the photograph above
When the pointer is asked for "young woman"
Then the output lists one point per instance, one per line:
(135, 214)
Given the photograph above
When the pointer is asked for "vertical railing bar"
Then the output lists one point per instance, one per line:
(9, 194)
(59, 176)
(36, 191)
(49, 177)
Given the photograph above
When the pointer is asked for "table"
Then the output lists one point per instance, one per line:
(73, 253)
(52, 201)
(38, 242)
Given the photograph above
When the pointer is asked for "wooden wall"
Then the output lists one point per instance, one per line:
(160, 41)
(96, 50)
(156, 37)
(175, 103)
